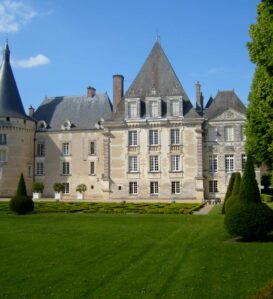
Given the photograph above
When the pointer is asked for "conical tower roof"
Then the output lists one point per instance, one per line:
(10, 100)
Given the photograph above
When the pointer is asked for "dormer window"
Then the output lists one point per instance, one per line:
(175, 108)
(132, 108)
(153, 107)
(66, 125)
(41, 125)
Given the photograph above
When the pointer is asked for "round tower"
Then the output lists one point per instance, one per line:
(17, 132)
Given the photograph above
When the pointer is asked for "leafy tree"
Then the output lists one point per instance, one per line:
(229, 191)
(259, 125)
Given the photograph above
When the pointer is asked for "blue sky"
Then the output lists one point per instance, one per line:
(60, 47)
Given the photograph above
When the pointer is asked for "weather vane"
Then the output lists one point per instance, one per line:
(157, 36)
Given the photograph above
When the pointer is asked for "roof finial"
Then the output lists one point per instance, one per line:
(157, 36)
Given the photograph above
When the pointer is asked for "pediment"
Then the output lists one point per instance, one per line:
(229, 114)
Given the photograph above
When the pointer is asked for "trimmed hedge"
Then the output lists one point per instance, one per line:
(235, 192)
(21, 204)
(229, 191)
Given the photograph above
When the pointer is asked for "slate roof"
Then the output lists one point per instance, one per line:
(10, 100)
(83, 112)
(224, 100)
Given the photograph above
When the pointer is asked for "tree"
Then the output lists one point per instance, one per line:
(235, 192)
(21, 188)
(259, 125)
(229, 191)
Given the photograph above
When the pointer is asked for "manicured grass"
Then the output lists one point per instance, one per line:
(127, 256)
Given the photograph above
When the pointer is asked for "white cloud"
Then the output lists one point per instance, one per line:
(14, 14)
(38, 60)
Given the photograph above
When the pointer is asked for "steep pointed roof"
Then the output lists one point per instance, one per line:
(156, 75)
(224, 100)
(10, 100)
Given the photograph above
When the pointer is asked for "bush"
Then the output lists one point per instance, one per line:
(21, 204)
(21, 188)
(58, 187)
(251, 221)
(229, 191)
(235, 192)
(267, 197)
(38, 187)
(81, 188)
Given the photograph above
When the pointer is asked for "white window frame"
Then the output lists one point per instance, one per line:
(154, 109)
(175, 136)
(133, 164)
(175, 187)
(132, 109)
(66, 148)
(66, 188)
(3, 139)
(3, 155)
(40, 169)
(213, 163)
(243, 136)
(212, 133)
(154, 188)
(66, 168)
(133, 188)
(154, 164)
(213, 186)
(132, 138)
(40, 149)
(229, 133)
(229, 163)
(153, 137)
(93, 148)
(175, 163)
(175, 108)
(92, 168)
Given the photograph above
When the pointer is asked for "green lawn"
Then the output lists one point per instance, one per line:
(127, 256)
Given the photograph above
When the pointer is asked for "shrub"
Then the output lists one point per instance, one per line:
(229, 191)
(81, 188)
(58, 187)
(251, 221)
(21, 188)
(267, 197)
(21, 204)
(38, 187)
(235, 192)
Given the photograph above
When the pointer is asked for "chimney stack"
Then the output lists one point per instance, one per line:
(118, 82)
(91, 91)
(199, 97)
(30, 111)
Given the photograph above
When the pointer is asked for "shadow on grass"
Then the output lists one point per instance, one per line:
(240, 240)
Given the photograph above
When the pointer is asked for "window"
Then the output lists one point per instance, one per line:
(92, 168)
(212, 134)
(3, 155)
(175, 137)
(154, 188)
(132, 164)
(132, 138)
(229, 163)
(213, 186)
(175, 187)
(229, 133)
(175, 163)
(213, 163)
(153, 137)
(40, 147)
(40, 168)
(66, 168)
(132, 188)
(243, 136)
(66, 149)
(243, 160)
(66, 188)
(92, 148)
(154, 109)
(175, 107)
(154, 164)
(132, 109)
(3, 139)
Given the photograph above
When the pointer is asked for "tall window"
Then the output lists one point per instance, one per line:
(132, 109)
(66, 149)
(132, 138)
(243, 161)
(229, 163)
(212, 134)
(40, 149)
(92, 168)
(154, 109)
(213, 163)
(66, 168)
(154, 188)
(213, 186)
(132, 164)
(153, 137)
(92, 148)
(3, 155)
(175, 163)
(175, 137)
(229, 133)
(40, 168)
(66, 188)
(243, 136)
(154, 164)
(175, 107)
(3, 139)
(133, 188)
(175, 187)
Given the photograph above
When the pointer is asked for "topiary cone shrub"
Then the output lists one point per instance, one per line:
(229, 191)
(235, 192)
(21, 203)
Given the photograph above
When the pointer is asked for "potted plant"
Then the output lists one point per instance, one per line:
(80, 191)
(59, 189)
(37, 189)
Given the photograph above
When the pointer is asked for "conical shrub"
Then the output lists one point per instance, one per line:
(235, 192)
(21, 188)
(229, 191)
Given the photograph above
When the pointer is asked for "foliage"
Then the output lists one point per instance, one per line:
(38, 187)
(21, 188)
(21, 204)
(252, 221)
(58, 187)
(81, 188)
(266, 181)
(265, 293)
(229, 191)
(266, 197)
(235, 192)
(259, 125)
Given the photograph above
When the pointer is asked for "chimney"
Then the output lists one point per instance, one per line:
(30, 111)
(199, 97)
(118, 81)
(91, 91)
